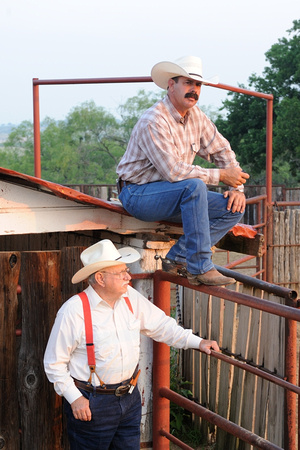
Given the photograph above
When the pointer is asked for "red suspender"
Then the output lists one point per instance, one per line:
(88, 329)
(128, 304)
(90, 348)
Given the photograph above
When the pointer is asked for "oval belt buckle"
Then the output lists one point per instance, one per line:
(121, 390)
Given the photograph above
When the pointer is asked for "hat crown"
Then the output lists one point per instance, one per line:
(191, 64)
(186, 66)
(101, 255)
(101, 251)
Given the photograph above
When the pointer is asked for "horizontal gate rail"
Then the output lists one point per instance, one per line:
(217, 420)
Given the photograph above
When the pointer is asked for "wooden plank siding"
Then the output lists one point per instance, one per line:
(40, 410)
(239, 396)
(9, 411)
(286, 248)
(31, 414)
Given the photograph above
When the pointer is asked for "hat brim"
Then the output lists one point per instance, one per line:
(128, 255)
(163, 71)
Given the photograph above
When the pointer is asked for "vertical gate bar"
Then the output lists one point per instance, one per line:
(290, 431)
(269, 231)
(269, 157)
(36, 130)
(161, 370)
(298, 437)
(264, 256)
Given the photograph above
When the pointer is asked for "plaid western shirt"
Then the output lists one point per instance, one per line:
(163, 146)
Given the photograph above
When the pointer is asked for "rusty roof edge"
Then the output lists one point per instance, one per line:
(65, 192)
(58, 190)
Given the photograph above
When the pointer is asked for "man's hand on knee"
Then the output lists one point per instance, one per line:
(236, 201)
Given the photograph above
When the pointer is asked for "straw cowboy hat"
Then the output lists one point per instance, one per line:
(187, 66)
(101, 255)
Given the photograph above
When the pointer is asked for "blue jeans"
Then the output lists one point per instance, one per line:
(115, 423)
(203, 214)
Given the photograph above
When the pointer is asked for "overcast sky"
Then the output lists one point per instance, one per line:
(54, 39)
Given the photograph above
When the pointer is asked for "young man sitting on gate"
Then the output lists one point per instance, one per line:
(93, 351)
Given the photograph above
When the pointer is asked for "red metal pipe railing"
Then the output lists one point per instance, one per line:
(215, 419)
(115, 80)
(36, 130)
(257, 371)
(161, 373)
(284, 204)
(286, 293)
(290, 312)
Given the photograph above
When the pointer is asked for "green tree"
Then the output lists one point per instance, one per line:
(95, 144)
(244, 124)
(134, 107)
(17, 151)
(83, 149)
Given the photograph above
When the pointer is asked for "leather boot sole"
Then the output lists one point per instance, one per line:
(173, 267)
(210, 278)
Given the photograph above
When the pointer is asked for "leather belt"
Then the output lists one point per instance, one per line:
(120, 184)
(120, 390)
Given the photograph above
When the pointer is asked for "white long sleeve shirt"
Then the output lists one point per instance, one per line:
(116, 338)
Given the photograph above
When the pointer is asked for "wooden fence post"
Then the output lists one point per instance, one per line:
(9, 423)
(40, 408)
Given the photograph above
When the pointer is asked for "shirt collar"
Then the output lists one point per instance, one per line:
(173, 111)
(95, 298)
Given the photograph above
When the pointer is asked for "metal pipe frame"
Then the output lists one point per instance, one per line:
(161, 359)
(219, 421)
(114, 80)
(266, 258)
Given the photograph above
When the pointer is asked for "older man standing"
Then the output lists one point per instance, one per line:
(93, 350)
(158, 181)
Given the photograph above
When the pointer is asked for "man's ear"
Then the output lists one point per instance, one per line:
(171, 83)
(99, 279)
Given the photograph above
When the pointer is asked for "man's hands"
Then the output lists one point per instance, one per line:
(236, 201)
(81, 409)
(206, 346)
(234, 176)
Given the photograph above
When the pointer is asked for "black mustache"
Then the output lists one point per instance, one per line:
(192, 95)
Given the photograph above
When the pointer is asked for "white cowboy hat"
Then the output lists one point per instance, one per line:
(103, 254)
(187, 66)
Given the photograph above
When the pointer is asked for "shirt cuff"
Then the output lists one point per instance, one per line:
(72, 393)
(194, 341)
(213, 176)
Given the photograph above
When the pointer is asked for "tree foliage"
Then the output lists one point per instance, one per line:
(244, 123)
(85, 148)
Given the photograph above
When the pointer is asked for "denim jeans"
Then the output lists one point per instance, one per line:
(203, 214)
(115, 423)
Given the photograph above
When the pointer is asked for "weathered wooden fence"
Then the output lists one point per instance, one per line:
(35, 286)
(286, 248)
(252, 335)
